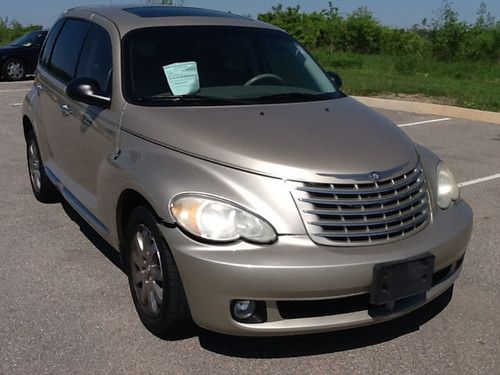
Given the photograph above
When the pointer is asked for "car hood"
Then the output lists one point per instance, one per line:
(311, 141)
(8, 49)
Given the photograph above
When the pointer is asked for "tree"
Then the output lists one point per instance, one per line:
(482, 40)
(447, 33)
(333, 27)
(363, 31)
(10, 30)
(484, 18)
(445, 37)
(289, 19)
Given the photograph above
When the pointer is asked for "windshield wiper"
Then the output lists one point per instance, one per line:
(192, 98)
(293, 96)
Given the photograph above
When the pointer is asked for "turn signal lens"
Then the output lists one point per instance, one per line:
(447, 188)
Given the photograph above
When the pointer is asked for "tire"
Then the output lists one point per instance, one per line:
(151, 268)
(14, 70)
(43, 189)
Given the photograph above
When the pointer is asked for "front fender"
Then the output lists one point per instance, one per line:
(159, 173)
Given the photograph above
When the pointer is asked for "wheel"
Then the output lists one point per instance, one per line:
(42, 187)
(14, 70)
(154, 280)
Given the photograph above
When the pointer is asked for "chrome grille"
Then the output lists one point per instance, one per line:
(364, 213)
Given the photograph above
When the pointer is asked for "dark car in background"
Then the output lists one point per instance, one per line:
(19, 58)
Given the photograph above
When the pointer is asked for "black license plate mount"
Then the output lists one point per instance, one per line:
(396, 280)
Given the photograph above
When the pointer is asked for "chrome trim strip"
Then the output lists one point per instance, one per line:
(361, 191)
(363, 223)
(415, 223)
(368, 177)
(352, 202)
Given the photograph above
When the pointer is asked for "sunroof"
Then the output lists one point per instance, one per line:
(168, 11)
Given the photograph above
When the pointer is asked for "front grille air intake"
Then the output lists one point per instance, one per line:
(364, 213)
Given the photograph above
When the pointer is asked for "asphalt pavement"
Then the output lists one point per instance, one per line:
(65, 306)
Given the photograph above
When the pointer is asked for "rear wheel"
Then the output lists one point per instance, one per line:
(14, 70)
(42, 187)
(154, 280)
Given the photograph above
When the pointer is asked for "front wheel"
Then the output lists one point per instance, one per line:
(14, 70)
(154, 280)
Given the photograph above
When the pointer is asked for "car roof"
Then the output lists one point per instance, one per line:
(131, 17)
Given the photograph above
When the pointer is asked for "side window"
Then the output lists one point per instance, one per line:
(67, 48)
(51, 38)
(96, 60)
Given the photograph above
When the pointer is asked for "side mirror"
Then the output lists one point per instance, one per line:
(87, 90)
(335, 78)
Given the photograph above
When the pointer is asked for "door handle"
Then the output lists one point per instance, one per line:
(86, 120)
(66, 111)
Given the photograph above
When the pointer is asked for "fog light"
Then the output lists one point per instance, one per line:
(243, 309)
(246, 311)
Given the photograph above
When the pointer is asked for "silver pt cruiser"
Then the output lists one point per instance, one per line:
(242, 188)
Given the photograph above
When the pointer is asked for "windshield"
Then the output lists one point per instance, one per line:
(210, 65)
(26, 40)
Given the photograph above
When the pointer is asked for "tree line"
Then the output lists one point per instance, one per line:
(10, 30)
(445, 37)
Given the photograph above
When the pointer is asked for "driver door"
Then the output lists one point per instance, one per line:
(93, 129)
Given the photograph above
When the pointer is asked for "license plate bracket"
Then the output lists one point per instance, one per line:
(400, 279)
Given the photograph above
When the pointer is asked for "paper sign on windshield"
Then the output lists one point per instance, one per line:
(183, 78)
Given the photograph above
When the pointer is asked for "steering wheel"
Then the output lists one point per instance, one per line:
(262, 77)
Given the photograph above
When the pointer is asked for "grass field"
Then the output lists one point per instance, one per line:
(471, 85)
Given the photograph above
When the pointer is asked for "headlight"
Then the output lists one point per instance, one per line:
(216, 220)
(447, 189)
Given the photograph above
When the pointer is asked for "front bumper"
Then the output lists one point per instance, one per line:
(296, 269)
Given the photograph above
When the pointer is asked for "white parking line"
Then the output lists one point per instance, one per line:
(15, 104)
(16, 82)
(424, 122)
(15, 90)
(479, 180)
(12, 85)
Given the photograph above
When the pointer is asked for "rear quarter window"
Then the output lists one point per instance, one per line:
(49, 43)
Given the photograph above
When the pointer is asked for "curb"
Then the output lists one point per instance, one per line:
(431, 109)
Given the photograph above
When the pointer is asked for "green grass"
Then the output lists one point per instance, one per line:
(465, 84)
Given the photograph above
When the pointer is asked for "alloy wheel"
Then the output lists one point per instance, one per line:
(34, 166)
(147, 272)
(15, 70)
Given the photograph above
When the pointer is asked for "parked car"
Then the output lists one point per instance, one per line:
(242, 188)
(19, 58)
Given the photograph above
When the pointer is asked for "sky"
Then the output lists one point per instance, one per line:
(397, 13)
